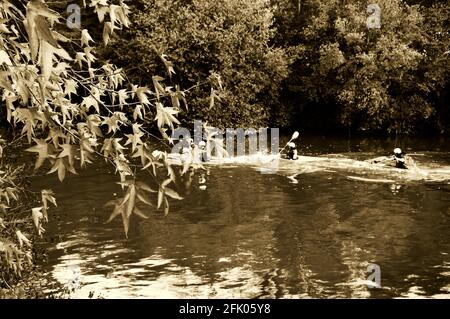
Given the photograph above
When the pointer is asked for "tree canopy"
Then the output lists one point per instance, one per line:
(222, 53)
(387, 78)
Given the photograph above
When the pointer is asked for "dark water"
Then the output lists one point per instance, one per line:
(253, 235)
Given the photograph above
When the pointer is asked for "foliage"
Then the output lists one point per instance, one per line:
(16, 218)
(225, 44)
(75, 109)
(383, 78)
(434, 69)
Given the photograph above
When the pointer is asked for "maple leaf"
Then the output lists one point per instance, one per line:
(37, 7)
(85, 38)
(135, 138)
(54, 135)
(44, 32)
(61, 167)
(108, 29)
(112, 122)
(22, 239)
(86, 150)
(36, 214)
(138, 112)
(144, 154)
(70, 88)
(69, 152)
(142, 96)
(118, 208)
(107, 148)
(123, 95)
(42, 148)
(101, 11)
(158, 87)
(46, 197)
(89, 56)
(89, 101)
(126, 206)
(165, 115)
(93, 123)
(80, 58)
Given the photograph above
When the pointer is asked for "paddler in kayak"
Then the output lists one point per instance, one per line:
(290, 150)
(398, 160)
(202, 151)
(187, 145)
(198, 151)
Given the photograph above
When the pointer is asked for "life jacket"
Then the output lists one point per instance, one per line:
(292, 154)
(400, 161)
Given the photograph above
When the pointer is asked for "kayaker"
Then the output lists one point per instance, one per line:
(289, 151)
(292, 151)
(202, 145)
(197, 150)
(399, 158)
(202, 151)
(187, 146)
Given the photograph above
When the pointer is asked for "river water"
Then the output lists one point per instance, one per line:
(254, 235)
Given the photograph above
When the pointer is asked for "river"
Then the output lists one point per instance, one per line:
(254, 235)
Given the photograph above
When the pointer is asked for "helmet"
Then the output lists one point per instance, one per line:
(291, 144)
(397, 151)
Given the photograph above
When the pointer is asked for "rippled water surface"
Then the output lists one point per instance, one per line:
(254, 235)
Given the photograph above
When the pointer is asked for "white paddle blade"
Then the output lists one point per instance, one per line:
(295, 135)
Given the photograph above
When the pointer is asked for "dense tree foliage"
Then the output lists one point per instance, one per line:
(225, 44)
(309, 63)
(73, 110)
(391, 78)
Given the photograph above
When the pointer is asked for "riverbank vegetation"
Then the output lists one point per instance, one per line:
(303, 63)
(63, 104)
(75, 94)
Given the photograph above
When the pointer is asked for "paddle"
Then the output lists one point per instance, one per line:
(294, 137)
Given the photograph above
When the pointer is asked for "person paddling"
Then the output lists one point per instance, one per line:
(291, 149)
(399, 158)
(186, 146)
(202, 151)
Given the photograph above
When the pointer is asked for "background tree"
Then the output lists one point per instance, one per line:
(226, 44)
(369, 78)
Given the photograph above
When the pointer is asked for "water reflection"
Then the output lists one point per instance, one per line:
(253, 235)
